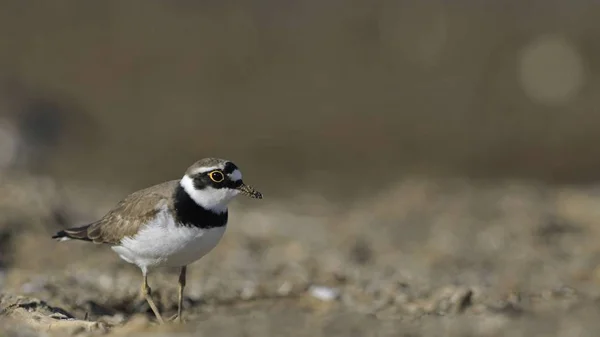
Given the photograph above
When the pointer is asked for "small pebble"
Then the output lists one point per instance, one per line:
(248, 291)
(324, 293)
(284, 289)
(461, 299)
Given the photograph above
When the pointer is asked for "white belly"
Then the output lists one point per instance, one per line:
(164, 243)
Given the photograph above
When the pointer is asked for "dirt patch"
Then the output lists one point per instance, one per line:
(424, 256)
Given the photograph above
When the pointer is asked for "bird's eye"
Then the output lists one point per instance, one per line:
(216, 176)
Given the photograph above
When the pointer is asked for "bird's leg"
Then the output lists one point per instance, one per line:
(182, 277)
(148, 295)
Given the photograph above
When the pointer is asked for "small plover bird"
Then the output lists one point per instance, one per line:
(170, 224)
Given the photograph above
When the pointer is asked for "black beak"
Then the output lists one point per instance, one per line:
(249, 191)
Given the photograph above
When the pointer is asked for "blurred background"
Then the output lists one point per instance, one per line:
(432, 143)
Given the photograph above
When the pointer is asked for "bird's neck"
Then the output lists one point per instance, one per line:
(189, 213)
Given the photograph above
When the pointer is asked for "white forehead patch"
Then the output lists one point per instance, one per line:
(235, 175)
(206, 169)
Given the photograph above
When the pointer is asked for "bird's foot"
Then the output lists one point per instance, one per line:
(176, 318)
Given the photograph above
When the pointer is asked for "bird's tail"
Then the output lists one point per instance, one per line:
(76, 233)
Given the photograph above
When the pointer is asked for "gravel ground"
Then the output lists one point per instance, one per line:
(425, 257)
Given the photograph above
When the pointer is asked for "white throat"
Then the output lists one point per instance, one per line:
(209, 198)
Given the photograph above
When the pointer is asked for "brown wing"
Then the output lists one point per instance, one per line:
(127, 217)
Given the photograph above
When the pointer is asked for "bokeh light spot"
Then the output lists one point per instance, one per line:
(551, 70)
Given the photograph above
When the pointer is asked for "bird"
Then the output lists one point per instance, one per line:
(172, 224)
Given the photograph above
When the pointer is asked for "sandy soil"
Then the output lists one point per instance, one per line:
(422, 258)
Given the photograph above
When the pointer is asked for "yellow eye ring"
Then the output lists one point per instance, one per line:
(216, 176)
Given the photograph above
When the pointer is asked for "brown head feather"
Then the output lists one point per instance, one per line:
(206, 162)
